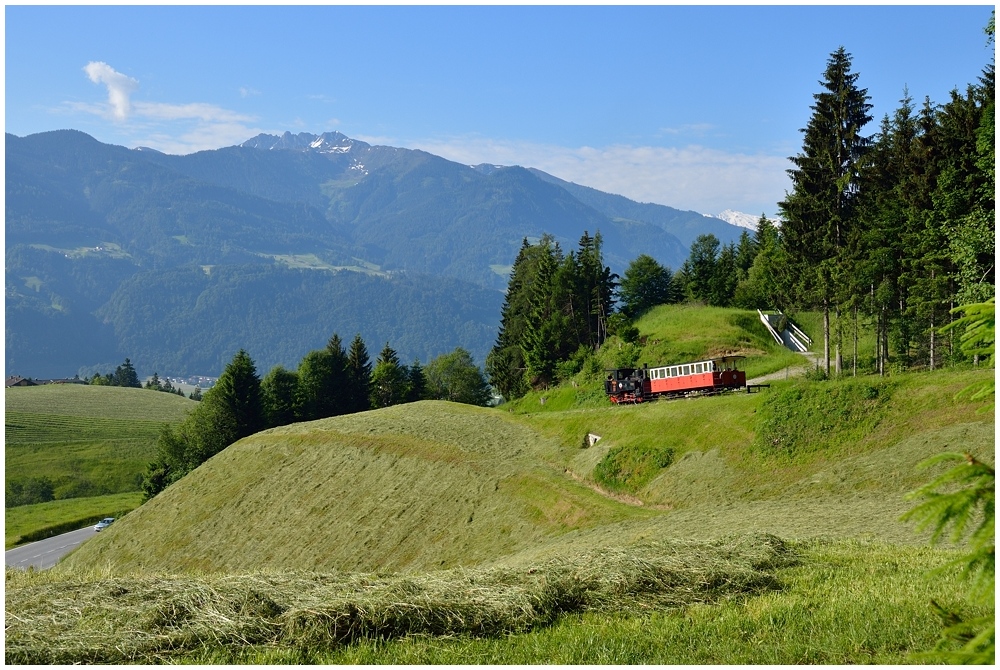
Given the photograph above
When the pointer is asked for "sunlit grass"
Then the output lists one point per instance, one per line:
(87, 441)
(428, 503)
(20, 521)
(842, 603)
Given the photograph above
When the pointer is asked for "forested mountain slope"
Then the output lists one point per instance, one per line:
(113, 253)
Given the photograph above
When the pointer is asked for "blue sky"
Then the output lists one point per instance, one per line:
(696, 107)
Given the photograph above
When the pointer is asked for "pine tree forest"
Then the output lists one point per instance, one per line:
(886, 230)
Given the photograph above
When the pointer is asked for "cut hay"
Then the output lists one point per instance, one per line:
(65, 619)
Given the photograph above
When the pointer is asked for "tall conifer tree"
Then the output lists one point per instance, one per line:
(819, 212)
(505, 361)
(359, 372)
(389, 382)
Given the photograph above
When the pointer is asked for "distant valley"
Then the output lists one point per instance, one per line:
(273, 245)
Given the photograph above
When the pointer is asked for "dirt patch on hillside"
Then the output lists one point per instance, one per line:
(619, 497)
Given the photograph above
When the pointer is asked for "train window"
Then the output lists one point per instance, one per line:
(687, 369)
(698, 369)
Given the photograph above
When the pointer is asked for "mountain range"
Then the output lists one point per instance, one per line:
(271, 246)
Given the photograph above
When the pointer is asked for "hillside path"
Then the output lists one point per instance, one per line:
(791, 371)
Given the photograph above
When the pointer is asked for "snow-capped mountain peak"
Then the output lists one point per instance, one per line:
(740, 219)
(327, 143)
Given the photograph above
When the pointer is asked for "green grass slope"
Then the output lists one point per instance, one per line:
(411, 487)
(437, 485)
(669, 334)
(745, 528)
(87, 440)
(800, 459)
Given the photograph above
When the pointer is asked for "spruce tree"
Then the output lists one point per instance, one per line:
(746, 251)
(389, 381)
(545, 324)
(238, 396)
(725, 276)
(278, 396)
(644, 285)
(153, 384)
(820, 211)
(889, 213)
(593, 290)
(416, 382)
(359, 372)
(125, 375)
(699, 268)
(323, 383)
(505, 362)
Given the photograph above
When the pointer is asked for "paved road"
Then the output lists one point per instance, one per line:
(46, 553)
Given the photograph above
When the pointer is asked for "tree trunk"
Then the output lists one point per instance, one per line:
(854, 364)
(932, 343)
(878, 342)
(885, 342)
(838, 342)
(932, 327)
(826, 337)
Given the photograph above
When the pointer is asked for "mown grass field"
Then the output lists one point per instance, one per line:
(842, 603)
(88, 441)
(746, 528)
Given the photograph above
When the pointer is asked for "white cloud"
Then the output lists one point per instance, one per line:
(168, 127)
(119, 86)
(692, 177)
(246, 91)
(195, 110)
(201, 137)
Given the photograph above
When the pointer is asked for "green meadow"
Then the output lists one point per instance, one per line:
(90, 443)
(757, 528)
(28, 523)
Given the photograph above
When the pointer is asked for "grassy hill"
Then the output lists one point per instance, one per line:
(747, 528)
(434, 484)
(669, 334)
(89, 442)
(411, 487)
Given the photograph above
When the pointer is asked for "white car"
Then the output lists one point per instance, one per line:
(103, 523)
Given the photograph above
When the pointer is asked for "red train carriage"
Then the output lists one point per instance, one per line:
(630, 385)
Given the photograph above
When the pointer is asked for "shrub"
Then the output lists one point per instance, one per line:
(627, 355)
(28, 491)
(629, 469)
(810, 417)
